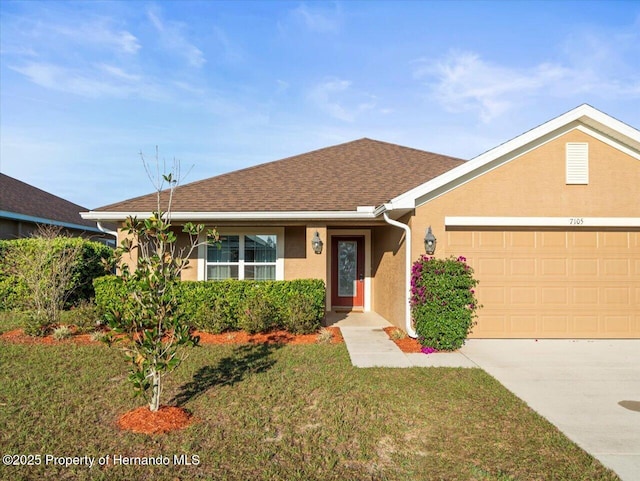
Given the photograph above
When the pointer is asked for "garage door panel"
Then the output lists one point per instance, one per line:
(555, 325)
(492, 295)
(616, 267)
(491, 239)
(522, 296)
(522, 267)
(460, 239)
(549, 283)
(615, 240)
(583, 240)
(582, 296)
(554, 296)
(616, 296)
(521, 240)
(523, 325)
(584, 267)
(553, 239)
(553, 266)
(491, 267)
(617, 324)
(587, 324)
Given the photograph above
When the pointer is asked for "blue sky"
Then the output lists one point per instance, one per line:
(86, 86)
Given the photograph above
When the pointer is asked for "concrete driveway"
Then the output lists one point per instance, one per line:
(589, 389)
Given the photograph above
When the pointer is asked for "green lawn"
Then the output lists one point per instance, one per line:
(278, 413)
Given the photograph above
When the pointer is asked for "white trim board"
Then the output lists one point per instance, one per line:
(577, 221)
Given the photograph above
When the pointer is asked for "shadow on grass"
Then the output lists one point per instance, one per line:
(244, 360)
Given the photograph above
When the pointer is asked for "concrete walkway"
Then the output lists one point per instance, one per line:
(369, 345)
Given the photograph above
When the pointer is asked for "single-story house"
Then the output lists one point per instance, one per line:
(550, 222)
(24, 207)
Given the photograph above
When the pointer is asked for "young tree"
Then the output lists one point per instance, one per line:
(152, 326)
(46, 266)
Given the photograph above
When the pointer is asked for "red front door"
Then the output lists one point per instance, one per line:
(347, 271)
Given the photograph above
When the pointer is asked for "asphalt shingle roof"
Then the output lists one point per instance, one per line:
(21, 198)
(363, 172)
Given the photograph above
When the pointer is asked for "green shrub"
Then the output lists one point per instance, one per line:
(37, 324)
(13, 292)
(214, 317)
(300, 315)
(214, 306)
(92, 260)
(257, 313)
(443, 301)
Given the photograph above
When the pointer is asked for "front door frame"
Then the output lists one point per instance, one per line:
(366, 233)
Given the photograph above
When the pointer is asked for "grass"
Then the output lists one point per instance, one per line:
(278, 413)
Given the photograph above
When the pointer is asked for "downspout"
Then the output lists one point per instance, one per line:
(407, 236)
(107, 231)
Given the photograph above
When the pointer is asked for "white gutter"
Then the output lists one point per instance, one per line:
(107, 231)
(365, 213)
(407, 236)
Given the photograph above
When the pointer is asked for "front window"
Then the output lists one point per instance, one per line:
(250, 256)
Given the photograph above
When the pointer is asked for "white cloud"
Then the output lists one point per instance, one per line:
(174, 40)
(338, 99)
(92, 83)
(462, 82)
(317, 18)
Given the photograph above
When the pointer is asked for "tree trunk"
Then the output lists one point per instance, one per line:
(156, 387)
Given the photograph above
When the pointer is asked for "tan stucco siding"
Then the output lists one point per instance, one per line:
(561, 282)
(388, 271)
(300, 262)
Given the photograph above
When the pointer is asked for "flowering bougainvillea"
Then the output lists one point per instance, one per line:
(443, 301)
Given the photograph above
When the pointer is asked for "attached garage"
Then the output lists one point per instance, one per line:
(550, 222)
(554, 282)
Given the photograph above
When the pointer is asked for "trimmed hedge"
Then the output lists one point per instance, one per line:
(90, 264)
(218, 306)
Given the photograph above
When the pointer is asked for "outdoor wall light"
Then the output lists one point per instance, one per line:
(430, 242)
(316, 243)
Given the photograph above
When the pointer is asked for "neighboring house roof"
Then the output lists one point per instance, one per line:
(24, 202)
(343, 177)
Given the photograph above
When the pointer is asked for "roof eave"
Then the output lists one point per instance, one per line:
(364, 213)
(43, 220)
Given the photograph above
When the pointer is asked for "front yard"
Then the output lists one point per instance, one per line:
(275, 412)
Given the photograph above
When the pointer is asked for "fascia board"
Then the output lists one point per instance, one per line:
(238, 216)
(42, 220)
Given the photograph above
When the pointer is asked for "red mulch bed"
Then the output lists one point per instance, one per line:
(238, 337)
(19, 337)
(274, 337)
(407, 344)
(166, 419)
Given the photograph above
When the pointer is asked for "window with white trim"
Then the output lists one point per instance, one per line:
(243, 256)
(577, 163)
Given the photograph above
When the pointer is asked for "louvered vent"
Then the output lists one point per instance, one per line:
(577, 163)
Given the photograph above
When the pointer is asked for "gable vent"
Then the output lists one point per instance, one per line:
(577, 163)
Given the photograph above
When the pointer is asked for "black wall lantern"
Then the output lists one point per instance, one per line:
(430, 242)
(316, 243)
